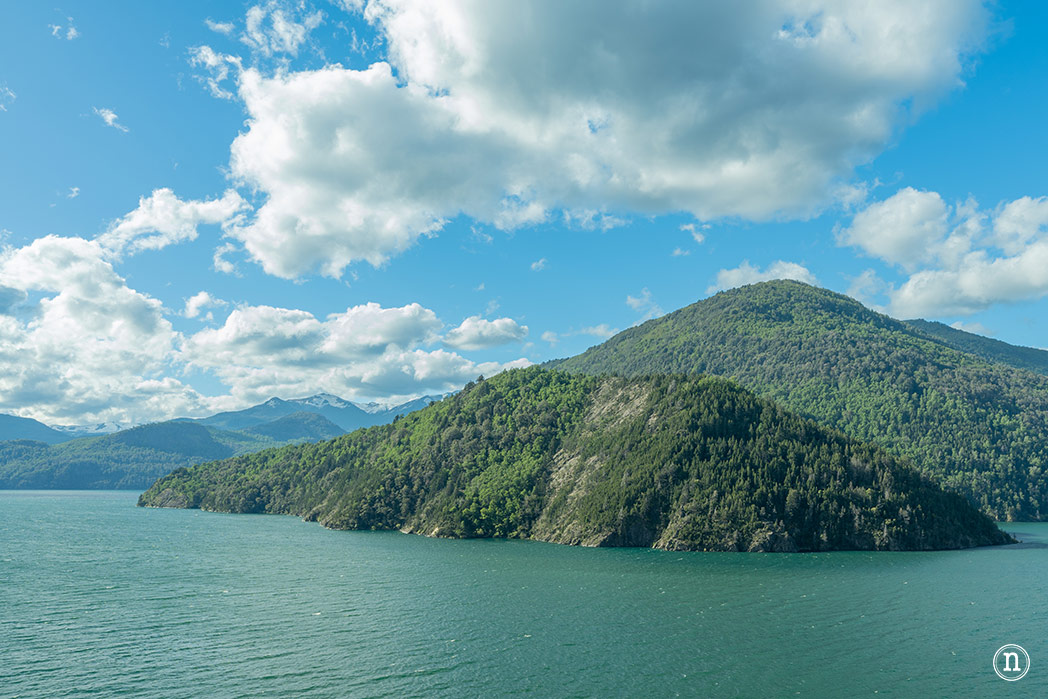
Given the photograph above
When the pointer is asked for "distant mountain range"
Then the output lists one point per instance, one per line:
(346, 414)
(33, 455)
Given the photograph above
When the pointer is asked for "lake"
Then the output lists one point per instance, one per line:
(101, 598)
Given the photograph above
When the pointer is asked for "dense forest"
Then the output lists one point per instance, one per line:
(683, 463)
(977, 426)
(1029, 358)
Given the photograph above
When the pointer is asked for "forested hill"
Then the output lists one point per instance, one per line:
(977, 426)
(683, 463)
(994, 350)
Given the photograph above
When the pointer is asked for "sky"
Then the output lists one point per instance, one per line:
(207, 204)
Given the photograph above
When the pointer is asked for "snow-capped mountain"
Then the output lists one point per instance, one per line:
(94, 430)
(346, 414)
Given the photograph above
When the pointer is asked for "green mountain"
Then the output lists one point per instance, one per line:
(130, 459)
(977, 426)
(300, 426)
(985, 347)
(12, 427)
(674, 462)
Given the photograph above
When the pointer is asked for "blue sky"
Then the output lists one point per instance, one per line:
(203, 205)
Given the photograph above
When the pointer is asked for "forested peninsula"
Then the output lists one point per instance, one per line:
(969, 412)
(669, 461)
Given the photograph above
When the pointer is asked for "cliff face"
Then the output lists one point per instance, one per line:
(682, 463)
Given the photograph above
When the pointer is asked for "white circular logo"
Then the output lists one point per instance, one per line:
(1011, 662)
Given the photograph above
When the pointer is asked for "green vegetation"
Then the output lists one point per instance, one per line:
(129, 459)
(298, 427)
(994, 350)
(668, 461)
(975, 426)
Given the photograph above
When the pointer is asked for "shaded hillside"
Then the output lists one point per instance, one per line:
(13, 427)
(1028, 358)
(129, 459)
(673, 462)
(978, 427)
(296, 427)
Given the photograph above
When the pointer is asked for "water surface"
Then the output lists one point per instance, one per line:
(100, 598)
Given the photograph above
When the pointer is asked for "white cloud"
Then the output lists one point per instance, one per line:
(974, 328)
(84, 346)
(1019, 222)
(7, 97)
(225, 28)
(695, 234)
(680, 252)
(603, 331)
(198, 302)
(66, 31)
(476, 333)
(645, 304)
(474, 116)
(368, 351)
(163, 219)
(904, 229)
(961, 267)
(278, 27)
(218, 67)
(748, 274)
(538, 265)
(74, 192)
(219, 261)
(110, 118)
(80, 345)
(551, 337)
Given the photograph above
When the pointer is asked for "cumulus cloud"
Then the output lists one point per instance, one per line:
(278, 27)
(83, 344)
(473, 115)
(198, 302)
(110, 118)
(969, 259)
(748, 274)
(368, 350)
(476, 333)
(219, 261)
(538, 265)
(163, 219)
(80, 345)
(903, 229)
(74, 192)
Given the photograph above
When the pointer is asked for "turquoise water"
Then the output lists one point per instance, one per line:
(100, 598)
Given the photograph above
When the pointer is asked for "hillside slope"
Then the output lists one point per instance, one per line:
(673, 462)
(978, 427)
(1028, 358)
(24, 428)
(130, 459)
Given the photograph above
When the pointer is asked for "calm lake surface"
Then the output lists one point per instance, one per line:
(101, 598)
